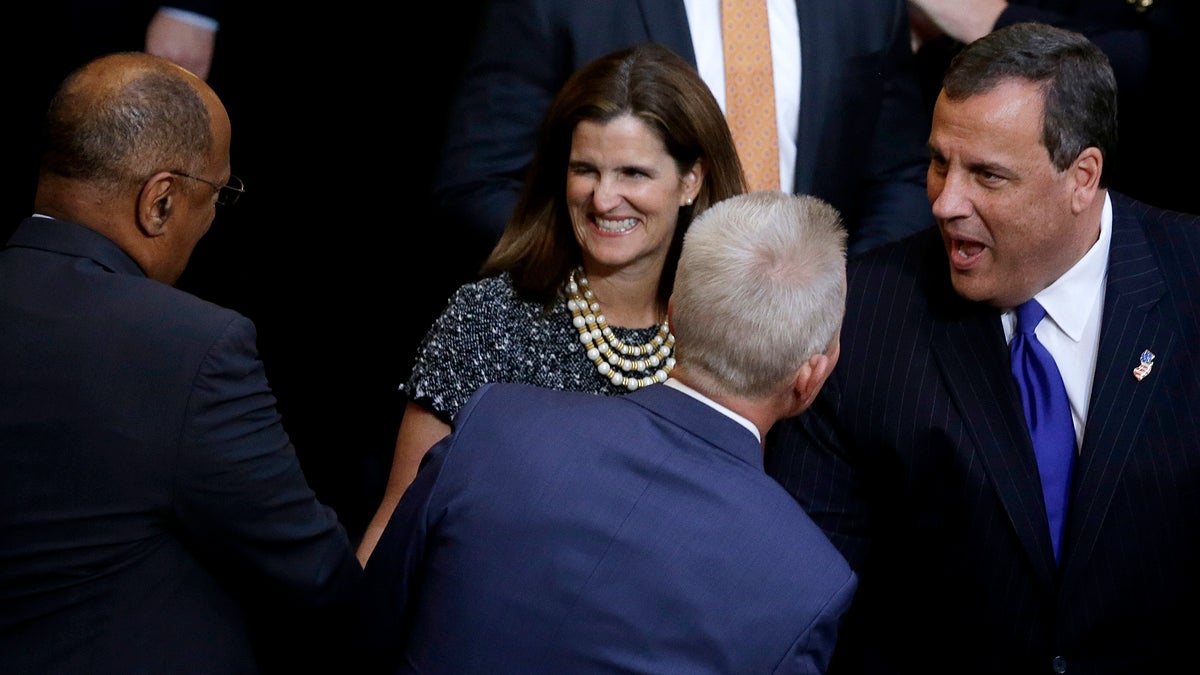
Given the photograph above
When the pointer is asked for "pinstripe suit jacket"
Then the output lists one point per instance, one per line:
(917, 463)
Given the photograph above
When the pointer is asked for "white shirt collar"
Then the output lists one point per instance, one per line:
(1069, 300)
(676, 384)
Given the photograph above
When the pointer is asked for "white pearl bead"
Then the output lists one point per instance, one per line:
(607, 351)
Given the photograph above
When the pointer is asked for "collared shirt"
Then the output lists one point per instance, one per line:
(676, 384)
(1074, 304)
(192, 18)
(704, 22)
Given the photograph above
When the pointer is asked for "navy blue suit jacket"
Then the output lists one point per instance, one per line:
(147, 487)
(915, 459)
(562, 532)
(862, 133)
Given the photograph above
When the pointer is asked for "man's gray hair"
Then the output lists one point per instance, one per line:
(761, 287)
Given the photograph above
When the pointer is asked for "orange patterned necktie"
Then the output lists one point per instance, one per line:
(750, 90)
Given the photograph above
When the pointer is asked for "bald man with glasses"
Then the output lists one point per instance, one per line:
(151, 503)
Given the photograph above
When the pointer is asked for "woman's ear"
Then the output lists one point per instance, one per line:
(693, 180)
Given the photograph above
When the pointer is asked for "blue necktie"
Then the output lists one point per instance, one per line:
(1048, 414)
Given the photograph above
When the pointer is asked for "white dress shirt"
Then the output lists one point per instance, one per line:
(704, 22)
(1074, 304)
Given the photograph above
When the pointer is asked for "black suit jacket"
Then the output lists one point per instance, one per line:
(916, 461)
(148, 491)
(862, 134)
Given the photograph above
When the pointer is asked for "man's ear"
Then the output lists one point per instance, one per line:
(810, 378)
(1085, 175)
(814, 372)
(155, 203)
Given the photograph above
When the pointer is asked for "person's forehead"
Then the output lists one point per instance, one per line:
(1012, 111)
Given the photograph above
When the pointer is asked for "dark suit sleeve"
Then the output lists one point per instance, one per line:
(239, 493)
(395, 569)
(814, 461)
(508, 83)
(896, 204)
(809, 456)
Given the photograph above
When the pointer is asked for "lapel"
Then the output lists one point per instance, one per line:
(667, 24)
(969, 347)
(1132, 322)
(818, 52)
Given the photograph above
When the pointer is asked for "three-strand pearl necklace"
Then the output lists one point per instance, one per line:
(624, 365)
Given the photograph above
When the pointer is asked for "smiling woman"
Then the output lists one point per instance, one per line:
(632, 149)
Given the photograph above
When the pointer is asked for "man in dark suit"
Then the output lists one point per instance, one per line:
(184, 31)
(916, 458)
(149, 494)
(558, 532)
(856, 128)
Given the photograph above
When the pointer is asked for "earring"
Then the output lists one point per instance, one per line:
(688, 202)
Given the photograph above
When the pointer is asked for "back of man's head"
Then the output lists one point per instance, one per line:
(761, 287)
(137, 149)
(120, 118)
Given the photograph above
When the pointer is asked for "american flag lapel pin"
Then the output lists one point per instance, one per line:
(1143, 368)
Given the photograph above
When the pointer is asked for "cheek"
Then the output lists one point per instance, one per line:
(659, 199)
(579, 190)
(1021, 231)
(934, 182)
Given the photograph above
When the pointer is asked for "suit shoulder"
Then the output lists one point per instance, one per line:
(519, 401)
(179, 310)
(1174, 236)
(914, 263)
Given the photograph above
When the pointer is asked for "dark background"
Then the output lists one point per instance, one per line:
(337, 121)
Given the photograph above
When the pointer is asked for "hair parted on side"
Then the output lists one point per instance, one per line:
(653, 84)
(1076, 78)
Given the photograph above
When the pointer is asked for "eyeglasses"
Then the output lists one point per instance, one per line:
(227, 194)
